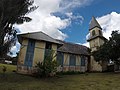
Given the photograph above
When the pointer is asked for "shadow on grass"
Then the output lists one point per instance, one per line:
(14, 77)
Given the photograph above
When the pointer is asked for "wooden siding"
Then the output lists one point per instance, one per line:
(77, 67)
(22, 52)
(39, 52)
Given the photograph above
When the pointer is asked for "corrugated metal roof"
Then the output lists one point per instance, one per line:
(94, 23)
(74, 48)
(39, 36)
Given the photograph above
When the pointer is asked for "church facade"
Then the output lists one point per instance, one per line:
(35, 46)
(71, 57)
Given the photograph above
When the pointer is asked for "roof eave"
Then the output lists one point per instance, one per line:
(96, 37)
(94, 27)
(22, 36)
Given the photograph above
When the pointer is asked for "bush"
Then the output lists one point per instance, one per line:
(48, 67)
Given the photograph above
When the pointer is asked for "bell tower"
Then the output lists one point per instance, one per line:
(96, 39)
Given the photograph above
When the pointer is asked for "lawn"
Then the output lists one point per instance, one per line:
(88, 81)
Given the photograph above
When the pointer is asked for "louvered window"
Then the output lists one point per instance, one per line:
(60, 58)
(30, 53)
(82, 61)
(72, 61)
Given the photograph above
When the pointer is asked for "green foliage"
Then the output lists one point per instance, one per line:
(12, 12)
(102, 52)
(9, 68)
(48, 67)
(4, 69)
(110, 50)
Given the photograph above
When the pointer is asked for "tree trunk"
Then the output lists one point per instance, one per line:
(2, 35)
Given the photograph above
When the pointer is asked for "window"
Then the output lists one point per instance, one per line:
(60, 58)
(82, 61)
(72, 60)
(100, 33)
(48, 48)
(48, 45)
(30, 53)
(93, 33)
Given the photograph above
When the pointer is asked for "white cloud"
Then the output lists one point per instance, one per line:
(86, 44)
(77, 19)
(66, 5)
(14, 50)
(44, 20)
(109, 23)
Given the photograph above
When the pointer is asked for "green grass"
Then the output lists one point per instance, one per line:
(10, 68)
(88, 81)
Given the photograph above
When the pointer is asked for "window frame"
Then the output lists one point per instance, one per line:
(29, 53)
(83, 60)
(60, 58)
(72, 60)
(93, 33)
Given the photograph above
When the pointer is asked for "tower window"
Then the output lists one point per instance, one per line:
(93, 33)
(100, 33)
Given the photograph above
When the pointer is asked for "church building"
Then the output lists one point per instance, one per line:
(71, 57)
(36, 46)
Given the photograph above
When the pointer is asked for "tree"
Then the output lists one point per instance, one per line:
(12, 12)
(110, 50)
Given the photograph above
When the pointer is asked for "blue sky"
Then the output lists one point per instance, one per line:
(69, 19)
(98, 8)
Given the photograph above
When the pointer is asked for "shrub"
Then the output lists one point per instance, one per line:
(48, 67)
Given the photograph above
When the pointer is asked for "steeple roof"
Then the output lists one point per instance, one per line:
(94, 23)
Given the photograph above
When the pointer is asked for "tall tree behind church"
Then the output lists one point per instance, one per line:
(12, 12)
(110, 50)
